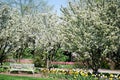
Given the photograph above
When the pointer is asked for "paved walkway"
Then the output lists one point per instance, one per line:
(23, 74)
(106, 71)
(109, 71)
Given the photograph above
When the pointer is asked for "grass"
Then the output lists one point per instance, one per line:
(8, 77)
(66, 66)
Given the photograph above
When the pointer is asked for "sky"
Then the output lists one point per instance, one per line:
(57, 4)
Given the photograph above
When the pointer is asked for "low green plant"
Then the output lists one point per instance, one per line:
(2, 69)
(6, 64)
(40, 57)
(37, 70)
(80, 65)
(66, 66)
(54, 66)
(104, 65)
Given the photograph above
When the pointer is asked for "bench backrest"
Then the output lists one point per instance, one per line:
(22, 66)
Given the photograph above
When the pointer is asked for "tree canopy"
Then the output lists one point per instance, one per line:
(88, 27)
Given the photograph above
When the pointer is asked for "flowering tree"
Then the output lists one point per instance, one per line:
(92, 29)
(40, 30)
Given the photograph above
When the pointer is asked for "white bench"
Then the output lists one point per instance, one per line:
(21, 67)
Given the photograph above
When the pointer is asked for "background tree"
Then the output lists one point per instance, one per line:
(29, 6)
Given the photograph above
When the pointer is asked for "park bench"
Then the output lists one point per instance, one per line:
(21, 67)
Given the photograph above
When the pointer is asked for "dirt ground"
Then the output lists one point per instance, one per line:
(23, 74)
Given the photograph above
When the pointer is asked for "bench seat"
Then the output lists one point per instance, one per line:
(21, 67)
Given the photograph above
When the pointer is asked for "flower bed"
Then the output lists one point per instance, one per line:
(78, 74)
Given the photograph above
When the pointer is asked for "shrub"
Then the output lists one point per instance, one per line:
(39, 62)
(2, 69)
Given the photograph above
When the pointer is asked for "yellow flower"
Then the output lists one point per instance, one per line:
(70, 72)
(82, 73)
(111, 75)
(119, 77)
(86, 75)
(105, 76)
(110, 78)
(76, 72)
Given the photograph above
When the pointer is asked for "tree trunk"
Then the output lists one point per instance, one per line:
(96, 56)
(95, 70)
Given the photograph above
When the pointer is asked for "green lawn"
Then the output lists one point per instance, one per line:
(7, 77)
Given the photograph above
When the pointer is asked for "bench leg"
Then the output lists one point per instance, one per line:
(33, 73)
(9, 72)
